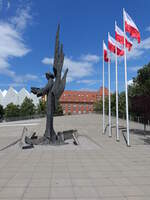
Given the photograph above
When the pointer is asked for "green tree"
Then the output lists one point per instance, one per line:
(12, 110)
(1, 111)
(59, 110)
(141, 83)
(41, 108)
(139, 94)
(113, 104)
(98, 106)
(27, 107)
(122, 105)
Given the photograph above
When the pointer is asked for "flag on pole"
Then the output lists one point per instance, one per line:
(130, 27)
(106, 59)
(119, 36)
(112, 46)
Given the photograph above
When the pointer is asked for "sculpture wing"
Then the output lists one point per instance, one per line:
(58, 87)
(59, 84)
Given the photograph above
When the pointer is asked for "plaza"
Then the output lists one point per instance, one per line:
(98, 168)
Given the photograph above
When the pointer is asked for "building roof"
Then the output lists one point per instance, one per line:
(82, 96)
(12, 96)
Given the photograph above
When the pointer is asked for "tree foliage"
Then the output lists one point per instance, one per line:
(139, 94)
(141, 83)
(12, 110)
(59, 109)
(139, 98)
(41, 108)
(1, 112)
(27, 107)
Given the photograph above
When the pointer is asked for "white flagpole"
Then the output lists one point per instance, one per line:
(103, 93)
(109, 93)
(117, 127)
(126, 84)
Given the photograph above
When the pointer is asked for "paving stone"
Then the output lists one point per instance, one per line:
(99, 168)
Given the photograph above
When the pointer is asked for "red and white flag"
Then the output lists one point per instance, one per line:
(106, 59)
(112, 45)
(119, 36)
(130, 27)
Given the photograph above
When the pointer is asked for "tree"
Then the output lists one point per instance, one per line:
(59, 110)
(41, 108)
(141, 83)
(139, 94)
(122, 105)
(27, 107)
(1, 112)
(12, 110)
(113, 104)
(98, 106)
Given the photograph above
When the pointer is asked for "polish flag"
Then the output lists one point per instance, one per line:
(119, 36)
(105, 52)
(130, 27)
(112, 46)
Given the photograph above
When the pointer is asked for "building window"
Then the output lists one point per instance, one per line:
(69, 107)
(74, 107)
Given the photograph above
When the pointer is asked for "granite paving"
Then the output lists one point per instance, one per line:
(98, 168)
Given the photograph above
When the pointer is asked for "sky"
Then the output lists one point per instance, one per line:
(27, 38)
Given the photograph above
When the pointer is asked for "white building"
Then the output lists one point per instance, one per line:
(10, 97)
(1, 97)
(17, 98)
(22, 94)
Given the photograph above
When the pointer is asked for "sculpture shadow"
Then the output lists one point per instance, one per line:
(140, 132)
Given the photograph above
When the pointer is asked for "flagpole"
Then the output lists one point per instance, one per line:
(109, 94)
(117, 127)
(126, 84)
(103, 93)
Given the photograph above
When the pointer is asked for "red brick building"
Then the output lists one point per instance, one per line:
(78, 102)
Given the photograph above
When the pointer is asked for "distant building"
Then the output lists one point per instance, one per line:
(17, 98)
(73, 102)
(79, 102)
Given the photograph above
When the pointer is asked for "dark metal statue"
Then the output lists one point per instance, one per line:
(53, 89)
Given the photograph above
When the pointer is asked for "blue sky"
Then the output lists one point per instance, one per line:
(27, 36)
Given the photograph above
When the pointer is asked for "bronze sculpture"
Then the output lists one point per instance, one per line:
(53, 89)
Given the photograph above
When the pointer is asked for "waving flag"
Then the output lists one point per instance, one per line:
(130, 27)
(105, 53)
(119, 36)
(112, 45)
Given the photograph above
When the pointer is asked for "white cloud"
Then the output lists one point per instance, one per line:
(22, 18)
(87, 89)
(130, 82)
(87, 81)
(90, 58)
(46, 61)
(77, 68)
(148, 29)
(137, 50)
(134, 69)
(8, 5)
(12, 45)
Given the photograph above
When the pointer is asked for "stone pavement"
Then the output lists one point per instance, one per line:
(99, 168)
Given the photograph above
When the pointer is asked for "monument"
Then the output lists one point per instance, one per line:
(53, 89)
